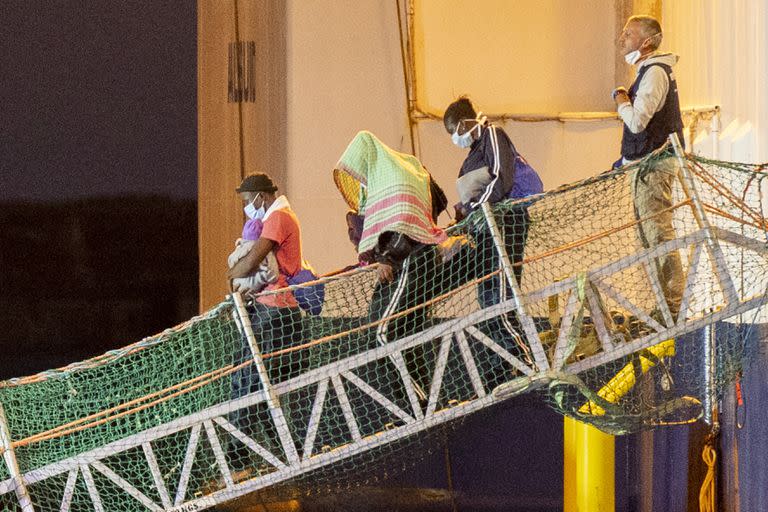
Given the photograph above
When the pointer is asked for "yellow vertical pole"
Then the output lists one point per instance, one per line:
(569, 464)
(588, 468)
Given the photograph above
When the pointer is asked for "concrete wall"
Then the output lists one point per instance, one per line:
(723, 48)
(522, 56)
(344, 74)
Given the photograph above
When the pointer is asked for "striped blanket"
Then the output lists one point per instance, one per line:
(389, 189)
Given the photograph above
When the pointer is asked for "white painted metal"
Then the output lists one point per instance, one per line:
(157, 476)
(714, 132)
(186, 468)
(250, 443)
(378, 397)
(314, 418)
(346, 408)
(517, 297)
(625, 349)
(17, 482)
(93, 492)
(658, 293)
(689, 188)
(410, 387)
(218, 453)
(275, 410)
(344, 369)
(504, 354)
(466, 355)
(628, 305)
(127, 487)
(758, 246)
(563, 336)
(437, 379)
(598, 318)
(693, 272)
(69, 491)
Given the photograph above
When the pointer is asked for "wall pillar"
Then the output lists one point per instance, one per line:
(241, 63)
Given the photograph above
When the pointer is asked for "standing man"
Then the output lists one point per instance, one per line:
(492, 171)
(650, 110)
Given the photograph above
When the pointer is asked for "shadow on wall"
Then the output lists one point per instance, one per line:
(80, 278)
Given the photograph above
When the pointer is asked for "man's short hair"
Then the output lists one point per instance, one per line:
(460, 109)
(651, 28)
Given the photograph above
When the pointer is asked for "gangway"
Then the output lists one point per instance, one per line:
(369, 391)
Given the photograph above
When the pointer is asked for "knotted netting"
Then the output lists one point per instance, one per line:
(629, 301)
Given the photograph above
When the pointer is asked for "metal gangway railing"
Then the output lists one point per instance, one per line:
(296, 456)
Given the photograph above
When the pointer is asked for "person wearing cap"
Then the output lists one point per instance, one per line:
(280, 234)
(275, 317)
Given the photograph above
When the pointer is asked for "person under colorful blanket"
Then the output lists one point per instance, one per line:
(392, 192)
(394, 202)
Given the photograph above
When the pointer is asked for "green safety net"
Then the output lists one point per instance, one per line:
(627, 301)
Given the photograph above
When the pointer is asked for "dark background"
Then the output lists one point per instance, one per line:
(98, 158)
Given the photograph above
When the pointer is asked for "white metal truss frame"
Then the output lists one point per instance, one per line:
(457, 334)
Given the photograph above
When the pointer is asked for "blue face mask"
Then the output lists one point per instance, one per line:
(254, 213)
(462, 141)
(465, 140)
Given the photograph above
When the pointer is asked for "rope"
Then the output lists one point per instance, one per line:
(712, 182)
(96, 419)
(707, 492)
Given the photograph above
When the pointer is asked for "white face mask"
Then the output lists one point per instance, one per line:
(254, 213)
(465, 140)
(462, 141)
(632, 57)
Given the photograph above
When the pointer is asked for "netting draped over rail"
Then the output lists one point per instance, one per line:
(628, 301)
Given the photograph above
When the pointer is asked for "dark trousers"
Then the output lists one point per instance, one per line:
(415, 283)
(506, 328)
(274, 329)
(482, 258)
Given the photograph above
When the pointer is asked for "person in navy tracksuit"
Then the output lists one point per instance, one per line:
(492, 171)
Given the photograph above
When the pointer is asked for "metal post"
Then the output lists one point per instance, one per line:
(714, 132)
(689, 188)
(22, 494)
(589, 458)
(274, 404)
(721, 270)
(517, 296)
(710, 370)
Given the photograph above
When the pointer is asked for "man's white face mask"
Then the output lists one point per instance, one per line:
(632, 57)
(254, 213)
(462, 141)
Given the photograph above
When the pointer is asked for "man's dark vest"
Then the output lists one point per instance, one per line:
(664, 122)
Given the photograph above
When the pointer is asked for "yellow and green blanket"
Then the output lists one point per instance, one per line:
(389, 189)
